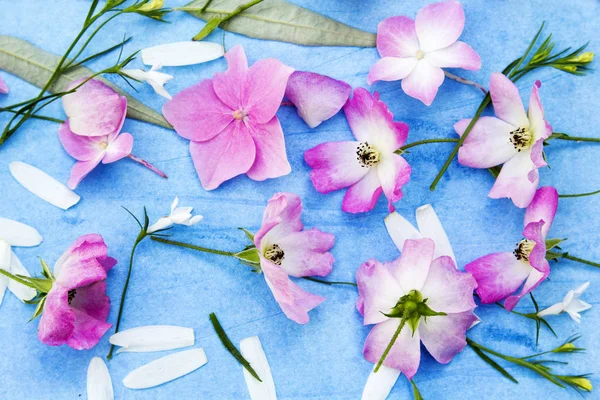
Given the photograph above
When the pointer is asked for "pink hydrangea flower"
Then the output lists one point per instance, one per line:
(416, 51)
(77, 306)
(231, 121)
(317, 97)
(416, 277)
(92, 133)
(368, 166)
(3, 86)
(514, 139)
(286, 250)
(500, 275)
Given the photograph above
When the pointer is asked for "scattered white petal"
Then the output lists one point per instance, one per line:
(18, 289)
(252, 351)
(430, 227)
(153, 338)
(19, 234)
(99, 384)
(182, 53)
(43, 185)
(165, 369)
(380, 383)
(155, 79)
(179, 215)
(400, 230)
(5, 255)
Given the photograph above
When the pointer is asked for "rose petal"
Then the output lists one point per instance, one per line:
(542, 208)
(380, 383)
(281, 217)
(507, 102)
(445, 336)
(252, 351)
(3, 86)
(438, 25)
(514, 180)
(306, 253)
(99, 384)
(182, 53)
(533, 280)
(19, 234)
(412, 268)
(423, 82)
(57, 321)
(488, 143)
(393, 173)
(447, 289)
(378, 290)
(535, 113)
(153, 338)
(43, 185)
(165, 369)
(362, 196)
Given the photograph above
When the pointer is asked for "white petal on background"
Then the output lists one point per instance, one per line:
(5, 254)
(43, 185)
(153, 338)
(252, 351)
(165, 369)
(380, 383)
(99, 384)
(19, 234)
(182, 53)
(400, 229)
(431, 227)
(21, 291)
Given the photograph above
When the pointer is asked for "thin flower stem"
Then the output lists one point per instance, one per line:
(140, 237)
(464, 81)
(42, 117)
(389, 346)
(147, 165)
(580, 260)
(16, 278)
(193, 247)
(310, 278)
(566, 196)
(562, 136)
(425, 141)
(205, 6)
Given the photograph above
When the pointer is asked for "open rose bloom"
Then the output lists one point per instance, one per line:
(76, 308)
(513, 139)
(368, 166)
(231, 121)
(500, 275)
(415, 51)
(285, 250)
(432, 294)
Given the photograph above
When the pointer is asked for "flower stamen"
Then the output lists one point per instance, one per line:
(367, 155)
(523, 249)
(103, 145)
(240, 114)
(420, 54)
(71, 295)
(521, 138)
(275, 254)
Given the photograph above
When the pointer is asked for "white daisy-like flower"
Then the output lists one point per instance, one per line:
(179, 216)
(571, 304)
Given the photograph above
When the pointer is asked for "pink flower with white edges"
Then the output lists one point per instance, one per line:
(500, 275)
(416, 276)
(513, 138)
(231, 122)
(76, 308)
(317, 97)
(416, 51)
(368, 166)
(91, 134)
(286, 250)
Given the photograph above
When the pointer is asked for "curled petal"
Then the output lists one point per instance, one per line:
(488, 143)
(518, 180)
(80, 264)
(281, 217)
(543, 207)
(535, 113)
(317, 97)
(19, 234)
(393, 173)
(457, 55)
(391, 69)
(119, 148)
(80, 170)
(271, 159)
(537, 257)
(507, 102)
(438, 25)
(533, 280)
(396, 37)
(423, 82)
(81, 148)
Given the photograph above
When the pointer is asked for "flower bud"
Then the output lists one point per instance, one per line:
(585, 58)
(152, 5)
(581, 383)
(567, 68)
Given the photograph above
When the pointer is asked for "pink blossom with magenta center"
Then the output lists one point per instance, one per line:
(367, 166)
(513, 139)
(500, 275)
(447, 290)
(285, 250)
(76, 308)
(415, 51)
(91, 134)
(230, 120)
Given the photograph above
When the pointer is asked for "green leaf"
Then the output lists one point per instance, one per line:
(250, 256)
(35, 66)
(552, 243)
(249, 234)
(282, 21)
(493, 364)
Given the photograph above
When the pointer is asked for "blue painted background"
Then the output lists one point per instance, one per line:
(323, 359)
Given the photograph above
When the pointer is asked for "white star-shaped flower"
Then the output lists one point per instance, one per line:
(179, 216)
(571, 304)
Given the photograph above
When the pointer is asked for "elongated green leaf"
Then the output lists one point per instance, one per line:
(283, 21)
(494, 364)
(35, 65)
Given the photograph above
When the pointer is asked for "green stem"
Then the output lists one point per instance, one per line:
(310, 278)
(389, 346)
(140, 237)
(193, 247)
(580, 260)
(567, 196)
(562, 136)
(42, 117)
(426, 141)
(17, 279)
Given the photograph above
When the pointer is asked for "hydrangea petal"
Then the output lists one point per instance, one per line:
(306, 253)
(119, 148)
(378, 291)
(423, 82)
(543, 207)
(445, 336)
(229, 86)
(271, 159)
(514, 180)
(397, 37)
(334, 166)
(391, 69)
(457, 55)
(488, 143)
(438, 25)
(81, 148)
(362, 196)
(227, 155)
(80, 170)
(413, 266)
(95, 109)
(447, 289)
(498, 275)
(316, 97)
(507, 102)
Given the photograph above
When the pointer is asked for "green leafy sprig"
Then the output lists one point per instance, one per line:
(539, 321)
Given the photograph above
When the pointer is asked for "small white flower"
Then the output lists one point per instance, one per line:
(570, 304)
(179, 215)
(154, 78)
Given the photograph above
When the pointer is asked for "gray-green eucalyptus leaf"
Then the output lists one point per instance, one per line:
(35, 66)
(284, 22)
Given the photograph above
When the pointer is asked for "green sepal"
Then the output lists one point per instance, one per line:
(552, 243)
(42, 285)
(249, 234)
(249, 255)
(495, 171)
(46, 270)
(413, 323)
(39, 309)
(416, 393)
(551, 255)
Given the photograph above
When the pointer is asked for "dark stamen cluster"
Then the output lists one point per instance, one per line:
(523, 250)
(520, 138)
(275, 254)
(71, 295)
(366, 155)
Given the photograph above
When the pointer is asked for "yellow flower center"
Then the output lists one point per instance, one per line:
(420, 54)
(275, 254)
(521, 138)
(103, 145)
(240, 114)
(367, 155)
(523, 249)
